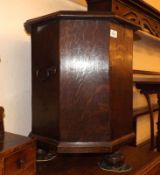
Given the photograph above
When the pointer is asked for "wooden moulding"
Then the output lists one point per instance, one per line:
(137, 11)
(94, 147)
(85, 147)
(144, 72)
(78, 15)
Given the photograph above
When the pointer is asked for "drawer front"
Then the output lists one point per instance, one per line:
(21, 162)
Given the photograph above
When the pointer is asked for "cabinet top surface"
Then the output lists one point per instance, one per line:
(75, 15)
(11, 141)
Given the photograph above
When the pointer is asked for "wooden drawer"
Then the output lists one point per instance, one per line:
(21, 162)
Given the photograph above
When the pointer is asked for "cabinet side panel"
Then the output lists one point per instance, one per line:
(84, 84)
(121, 51)
(45, 81)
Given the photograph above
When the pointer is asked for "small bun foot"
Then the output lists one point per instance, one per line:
(115, 162)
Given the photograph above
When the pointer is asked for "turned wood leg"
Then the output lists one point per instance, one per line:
(158, 124)
(151, 120)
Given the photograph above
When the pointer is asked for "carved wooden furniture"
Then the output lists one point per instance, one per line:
(81, 73)
(140, 13)
(147, 87)
(17, 155)
(136, 11)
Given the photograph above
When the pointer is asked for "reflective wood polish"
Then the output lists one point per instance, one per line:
(82, 81)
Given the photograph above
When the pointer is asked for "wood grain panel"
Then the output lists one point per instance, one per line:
(45, 85)
(84, 81)
(121, 51)
(87, 105)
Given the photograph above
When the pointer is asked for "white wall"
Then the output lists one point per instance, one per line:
(15, 54)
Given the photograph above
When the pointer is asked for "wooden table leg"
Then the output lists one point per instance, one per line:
(151, 120)
(158, 124)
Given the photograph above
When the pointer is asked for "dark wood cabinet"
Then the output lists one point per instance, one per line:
(82, 81)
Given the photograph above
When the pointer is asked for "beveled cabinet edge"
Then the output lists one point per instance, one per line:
(77, 15)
